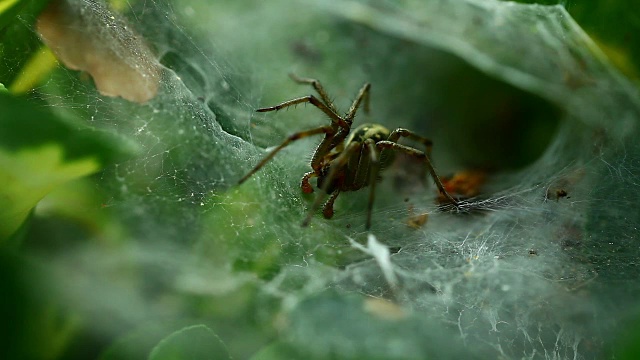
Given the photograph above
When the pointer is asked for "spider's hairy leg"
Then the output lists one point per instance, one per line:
(420, 155)
(287, 141)
(313, 101)
(304, 184)
(400, 132)
(318, 87)
(336, 166)
(363, 94)
(373, 177)
(327, 208)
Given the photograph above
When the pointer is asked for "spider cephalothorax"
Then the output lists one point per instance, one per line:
(348, 160)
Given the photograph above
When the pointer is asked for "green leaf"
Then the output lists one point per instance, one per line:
(19, 41)
(138, 343)
(613, 24)
(277, 351)
(8, 10)
(191, 343)
(29, 320)
(40, 151)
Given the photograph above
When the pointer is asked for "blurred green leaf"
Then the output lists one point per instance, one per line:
(8, 10)
(614, 24)
(31, 327)
(40, 151)
(191, 343)
(138, 343)
(18, 38)
(277, 351)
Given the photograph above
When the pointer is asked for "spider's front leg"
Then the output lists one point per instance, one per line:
(337, 120)
(327, 130)
(305, 185)
(318, 87)
(327, 208)
(400, 132)
(382, 145)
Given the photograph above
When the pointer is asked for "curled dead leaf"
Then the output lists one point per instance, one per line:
(416, 220)
(463, 185)
(384, 309)
(96, 40)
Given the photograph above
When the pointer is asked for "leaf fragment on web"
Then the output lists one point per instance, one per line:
(382, 255)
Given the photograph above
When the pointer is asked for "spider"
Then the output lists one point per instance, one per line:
(347, 160)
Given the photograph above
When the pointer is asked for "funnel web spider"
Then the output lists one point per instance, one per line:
(347, 160)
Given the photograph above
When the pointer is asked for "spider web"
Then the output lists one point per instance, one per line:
(519, 272)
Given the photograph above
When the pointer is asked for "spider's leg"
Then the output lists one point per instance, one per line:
(319, 89)
(304, 184)
(287, 141)
(373, 177)
(336, 166)
(313, 101)
(363, 94)
(420, 155)
(399, 132)
(327, 208)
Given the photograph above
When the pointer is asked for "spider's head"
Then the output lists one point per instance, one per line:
(377, 133)
(369, 131)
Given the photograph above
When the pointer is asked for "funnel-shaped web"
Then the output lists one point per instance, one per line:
(539, 265)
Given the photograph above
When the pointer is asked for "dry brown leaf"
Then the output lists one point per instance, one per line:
(97, 41)
(384, 309)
